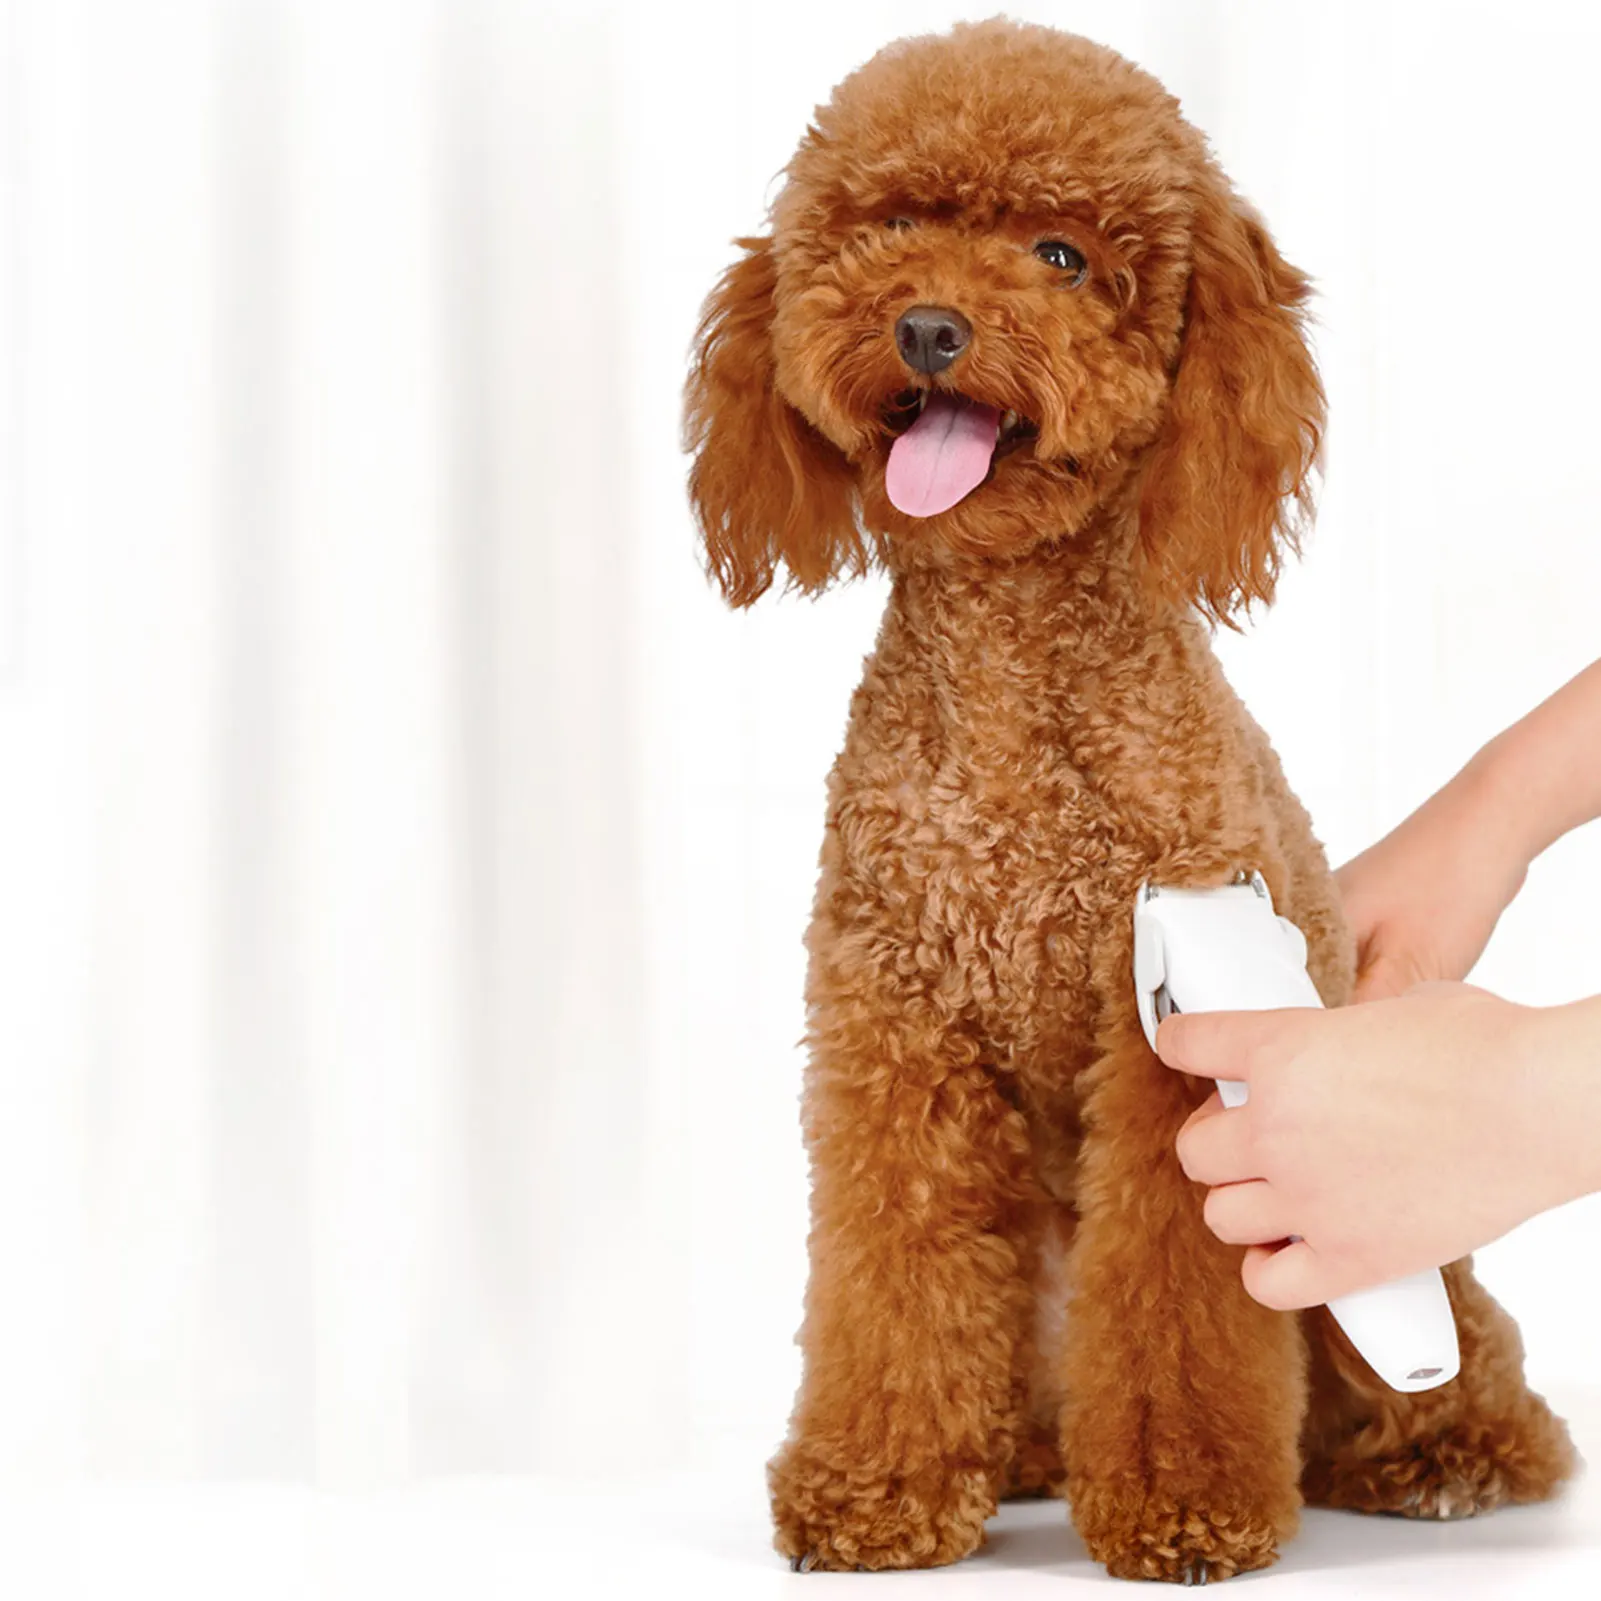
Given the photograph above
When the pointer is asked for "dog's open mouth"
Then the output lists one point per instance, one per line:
(945, 446)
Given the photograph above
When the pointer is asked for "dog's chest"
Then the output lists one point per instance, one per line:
(995, 821)
(1006, 869)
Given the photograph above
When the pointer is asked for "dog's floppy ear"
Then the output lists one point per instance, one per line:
(1228, 485)
(766, 486)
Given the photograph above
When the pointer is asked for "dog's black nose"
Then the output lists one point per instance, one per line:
(930, 338)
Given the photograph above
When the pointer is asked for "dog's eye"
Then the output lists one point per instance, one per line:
(1064, 257)
(897, 222)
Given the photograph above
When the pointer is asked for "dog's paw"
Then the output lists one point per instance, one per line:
(1137, 1536)
(1457, 1473)
(830, 1518)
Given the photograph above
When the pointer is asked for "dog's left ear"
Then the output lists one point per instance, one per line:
(1229, 482)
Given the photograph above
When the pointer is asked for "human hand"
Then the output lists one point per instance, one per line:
(1423, 902)
(1389, 1138)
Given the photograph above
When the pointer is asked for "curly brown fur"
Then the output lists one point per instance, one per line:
(1012, 1289)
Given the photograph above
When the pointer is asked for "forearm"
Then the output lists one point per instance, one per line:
(1562, 1073)
(1541, 778)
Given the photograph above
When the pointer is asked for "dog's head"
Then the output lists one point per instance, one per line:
(1006, 287)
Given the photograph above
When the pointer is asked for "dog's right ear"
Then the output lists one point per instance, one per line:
(1230, 481)
(765, 485)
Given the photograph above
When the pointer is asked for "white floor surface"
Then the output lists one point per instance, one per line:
(697, 1535)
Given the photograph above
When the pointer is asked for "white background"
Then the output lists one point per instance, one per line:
(404, 854)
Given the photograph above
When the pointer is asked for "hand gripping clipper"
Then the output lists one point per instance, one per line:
(1225, 949)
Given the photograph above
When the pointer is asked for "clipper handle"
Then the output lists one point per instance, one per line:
(1404, 1330)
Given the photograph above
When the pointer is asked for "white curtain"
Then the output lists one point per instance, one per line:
(323, 1140)
(404, 857)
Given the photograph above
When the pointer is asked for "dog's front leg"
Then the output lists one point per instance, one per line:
(1185, 1397)
(918, 1291)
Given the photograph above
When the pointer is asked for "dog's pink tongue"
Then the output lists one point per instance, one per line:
(942, 456)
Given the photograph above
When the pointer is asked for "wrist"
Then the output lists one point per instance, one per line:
(1505, 829)
(1559, 1061)
(1543, 769)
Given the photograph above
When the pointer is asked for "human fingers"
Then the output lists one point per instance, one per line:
(1217, 1149)
(1231, 1045)
(1285, 1277)
(1249, 1213)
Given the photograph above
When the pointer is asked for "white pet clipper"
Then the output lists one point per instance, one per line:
(1224, 950)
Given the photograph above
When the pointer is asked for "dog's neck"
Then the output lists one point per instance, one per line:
(1061, 610)
(1012, 650)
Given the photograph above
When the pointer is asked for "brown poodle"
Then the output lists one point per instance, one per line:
(1014, 337)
